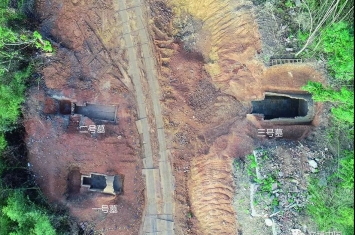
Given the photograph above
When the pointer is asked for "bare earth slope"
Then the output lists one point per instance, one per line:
(208, 78)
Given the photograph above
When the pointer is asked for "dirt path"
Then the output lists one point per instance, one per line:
(159, 179)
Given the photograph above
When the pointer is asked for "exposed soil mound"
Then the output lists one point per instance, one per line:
(212, 193)
(228, 38)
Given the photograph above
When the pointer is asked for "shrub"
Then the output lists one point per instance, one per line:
(11, 98)
(25, 217)
(346, 170)
(2, 143)
(332, 206)
(338, 46)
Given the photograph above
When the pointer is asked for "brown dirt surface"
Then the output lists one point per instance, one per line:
(206, 102)
(85, 68)
(207, 53)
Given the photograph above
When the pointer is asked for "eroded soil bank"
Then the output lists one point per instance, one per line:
(209, 52)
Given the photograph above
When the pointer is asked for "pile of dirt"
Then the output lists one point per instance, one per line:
(211, 187)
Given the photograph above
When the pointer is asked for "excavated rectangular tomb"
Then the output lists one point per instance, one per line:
(97, 112)
(286, 108)
(103, 183)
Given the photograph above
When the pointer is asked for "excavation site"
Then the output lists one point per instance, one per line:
(177, 117)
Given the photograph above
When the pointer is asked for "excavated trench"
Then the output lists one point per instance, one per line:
(92, 111)
(95, 182)
(280, 107)
(98, 112)
(291, 108)
(98, 182)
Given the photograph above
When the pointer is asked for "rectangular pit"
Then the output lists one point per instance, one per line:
(289, 108)
(103, 183)
(97, 112)
(280, 107)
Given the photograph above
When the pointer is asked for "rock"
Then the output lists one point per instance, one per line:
(274, 186)
(294, 181)
(313, 163)
(298, 3)
(268, 222)
(281, 174)
(322, 182)
(296, 232)
(276, 209)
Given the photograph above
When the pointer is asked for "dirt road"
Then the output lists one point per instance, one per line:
(158, 217)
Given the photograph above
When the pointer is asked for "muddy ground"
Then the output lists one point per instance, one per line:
(209, 74)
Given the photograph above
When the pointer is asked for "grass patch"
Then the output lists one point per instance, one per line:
(331, 38)
(332, 206)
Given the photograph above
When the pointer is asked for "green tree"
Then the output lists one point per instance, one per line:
(11, 98)
(2, 143)
(18, 214)
(15, 62)
(24, 217)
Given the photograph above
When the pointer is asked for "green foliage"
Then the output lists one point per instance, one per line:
(329, 35)
(11, 98)
(289, 4)
(343, 110)
(338, 47)
(265, 156)
(27, 218)
(275, 202)
(346, 170)
(251, 167)
(266, 183)
(7, 36)
(3, 145)
(332, 206)
(18, 214)
(253, 164)
(7, 14)
(328, 210)
(15, 63)
(40, 43)
(2, 142)
(302, 36)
